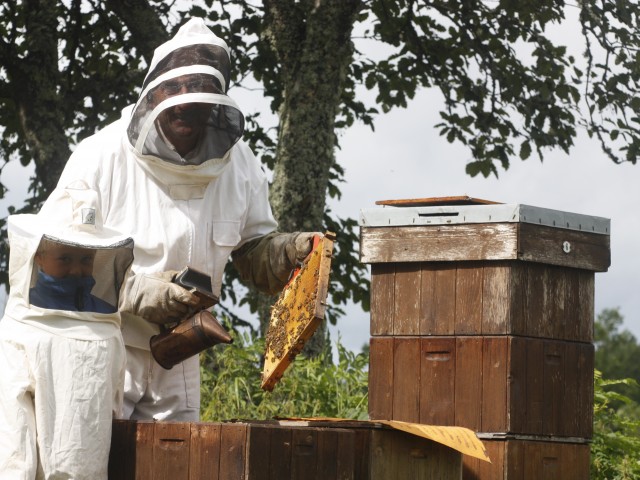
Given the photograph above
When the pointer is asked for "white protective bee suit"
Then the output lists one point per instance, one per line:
(192, 210)
(62, 357)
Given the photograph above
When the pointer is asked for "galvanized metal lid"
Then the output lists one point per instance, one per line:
(397, 216)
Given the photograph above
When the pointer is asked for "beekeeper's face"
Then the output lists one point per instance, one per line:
(184, 123)
(61, 261)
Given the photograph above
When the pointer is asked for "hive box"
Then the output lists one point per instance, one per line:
(499, 384)
(483, 270)
(275, 451)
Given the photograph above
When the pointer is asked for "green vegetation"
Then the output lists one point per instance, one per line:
(615, 451)
(317, 387)
(617, 351)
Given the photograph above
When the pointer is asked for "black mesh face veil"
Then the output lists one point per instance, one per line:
(193, 81)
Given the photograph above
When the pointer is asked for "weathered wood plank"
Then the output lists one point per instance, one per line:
(428, 315)
(468, 299)
(571, 413)
(381, 465)
(468, 406)
(496, 298)
(304, 454)
(556, 325)
(484, 241)
(204, 455)
(584, 403)
(517, 382)
(381, 378)
(327, 456)
(553, 388)
(572, 327)
(382, 298)
(131, 450)
(281, 451)
(495, 415)
(406, 379)
(407, 299)
(259, 451)
(171, 444)
(437, 380)
(542, 244)
(535, 398)
(516, 459)
(534, 291)
(233, 439)
(586, 305)
(445, 300)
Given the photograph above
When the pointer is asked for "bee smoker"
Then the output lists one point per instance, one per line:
(187, 338)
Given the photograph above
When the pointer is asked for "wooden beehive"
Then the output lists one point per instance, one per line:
(275, 451)
(499, 384)
(482, 316)
(523, 459)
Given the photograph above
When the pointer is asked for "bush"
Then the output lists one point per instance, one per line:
(231, 378)
(615, 451)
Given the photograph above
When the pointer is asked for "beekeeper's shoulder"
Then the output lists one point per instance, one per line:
(107, 140)
(245, 163)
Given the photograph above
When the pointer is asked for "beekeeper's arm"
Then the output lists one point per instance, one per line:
(154, 297)
(266, 262)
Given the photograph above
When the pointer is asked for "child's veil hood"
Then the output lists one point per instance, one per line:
(72, 218)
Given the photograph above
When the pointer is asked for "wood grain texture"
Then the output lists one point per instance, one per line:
(468, 406)
(406, 317)
(382, 298)
(437, 380)
(516, 459)
(487, 241)
(204, 454)
(468, 292)
(406, 379)
(497, 301)
(495, 392)
(233, 439)
(171, 444)
(381, 378)
(542, 244)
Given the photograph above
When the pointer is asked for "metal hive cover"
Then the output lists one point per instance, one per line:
(443, 213)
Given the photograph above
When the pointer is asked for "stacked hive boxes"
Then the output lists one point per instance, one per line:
(482, 317)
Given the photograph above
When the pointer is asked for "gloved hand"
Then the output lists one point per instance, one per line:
(300, 245)
(155, 298)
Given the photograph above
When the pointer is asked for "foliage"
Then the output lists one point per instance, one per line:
(617, 351)
(615, 451)
(231, 377)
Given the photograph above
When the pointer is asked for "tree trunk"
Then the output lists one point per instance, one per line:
(312, 40)
(35, 80)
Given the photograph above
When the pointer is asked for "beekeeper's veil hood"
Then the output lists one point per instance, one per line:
(64, 263)
(193, 69)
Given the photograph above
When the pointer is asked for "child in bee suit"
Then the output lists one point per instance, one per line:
(62, 356)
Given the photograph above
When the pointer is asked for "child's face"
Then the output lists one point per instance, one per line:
(61, 261)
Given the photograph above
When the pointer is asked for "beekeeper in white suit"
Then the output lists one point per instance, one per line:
(175, 174)
(62, 357)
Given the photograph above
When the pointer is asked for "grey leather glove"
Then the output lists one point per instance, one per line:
(299, 246)
(267, 262)
(155, 298)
